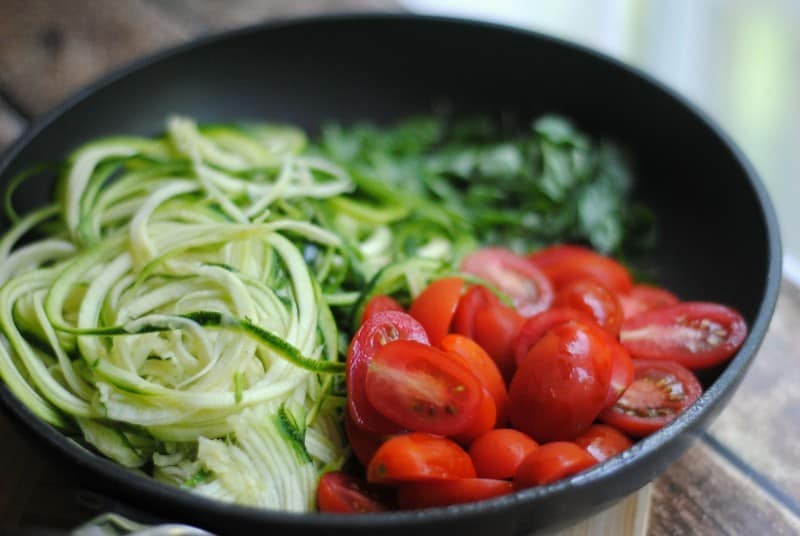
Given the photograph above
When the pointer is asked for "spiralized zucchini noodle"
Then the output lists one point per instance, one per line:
(184, 305)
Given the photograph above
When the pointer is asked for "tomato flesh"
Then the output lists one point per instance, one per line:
(379, 304)
(341, 493)
(422, 388)
(562, 383)
(660, 392)
(431, 494)
(552, 462)
(603, 442)
(419, 457)
(435, 306)
(563, 264)
(643, 298)
(498, 453)
(536, 326)
(695, 334)
(593, 299)
(525, 284)
(382, 328)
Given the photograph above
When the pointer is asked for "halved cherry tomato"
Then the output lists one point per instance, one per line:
(484, 420)
(603, 442)
(643, 298)
(660, 392)
(345, 494)
(422, 388)
(431, 494)
(564, 263)
(622, 372)
(378, 304)
(483, 367)
(382, 328)
(418, 457)
(477, 297)
(435, 306)
(552, 462)
(498, 453)
(536, 326)
(562, 383)
(496, 329)
(593, 299)
(364, 444)
(694, 334)
(525, 284)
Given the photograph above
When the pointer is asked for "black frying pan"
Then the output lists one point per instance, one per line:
(718, 233)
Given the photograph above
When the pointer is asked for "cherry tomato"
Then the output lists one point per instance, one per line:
(482, 366)
(562, 383)
(536, 326)
(563, 264)
(431, 494)
(695, 334)
(435, 306)
(660, 392)
(551, 462)
(345, 494)
(643, 298)
(364, 444)
(422, 388)
(418, 457)
(378, 304)
(496, 329)
(593, 299)
(498, 453)
(525, 284)
(622, 372)
(603, 442)
(484, 420)
(476, 297)
(382, 328)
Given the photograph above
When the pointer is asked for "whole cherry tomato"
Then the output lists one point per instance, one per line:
(422, 388)
(382, 328)
(477, 297)
(593, 299)
(694, 334)
(418, 457)
(345, 494)
(563, 264)
(496, 329)
(603, 442)
(552, 462)
(498, 453)
(660, 392)
(435, 306)
(464, 490)
(536, 326)
(562, 384)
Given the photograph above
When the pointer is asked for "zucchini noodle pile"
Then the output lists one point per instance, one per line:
(184, 306)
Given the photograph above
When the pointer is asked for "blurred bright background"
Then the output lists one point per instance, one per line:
(739, 60)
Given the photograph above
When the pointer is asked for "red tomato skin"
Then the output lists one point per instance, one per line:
(525, 284)
(383, 327)
(562, 383)
(422, 388)
(565, 263)
(552, 462)
(363, 444)
(498, 453)
(415, 496)
(482, 365)
(477, 297)
(624, 415)
(484, 421)
(622, 372)
(341, 493)
(695, 334)
(379, 304)
(496, 329)
(603, 442)
(593, 299)
(536, 326)
(643, 298)
(419, 457)
(435, 306)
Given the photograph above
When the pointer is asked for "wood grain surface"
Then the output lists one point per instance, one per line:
(743, 477)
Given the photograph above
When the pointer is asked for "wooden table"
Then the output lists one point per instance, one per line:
(742, 477)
